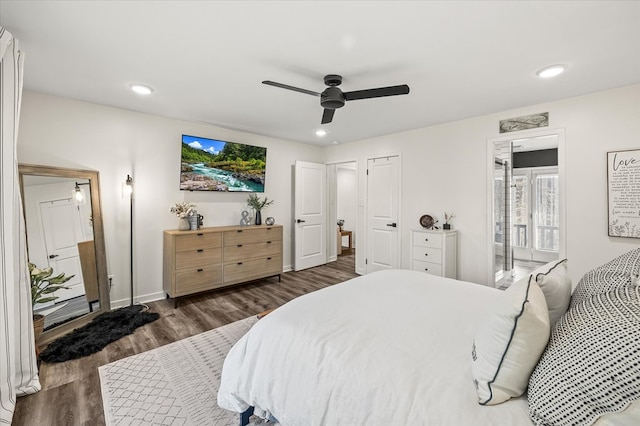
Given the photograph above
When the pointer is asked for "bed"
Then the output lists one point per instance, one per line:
(389, 348)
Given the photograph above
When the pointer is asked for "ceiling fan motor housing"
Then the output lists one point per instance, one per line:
(332, 98)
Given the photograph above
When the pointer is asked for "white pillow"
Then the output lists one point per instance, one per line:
(509, 343)
(556, 286)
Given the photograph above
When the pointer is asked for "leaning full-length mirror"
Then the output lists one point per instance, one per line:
(64, 232)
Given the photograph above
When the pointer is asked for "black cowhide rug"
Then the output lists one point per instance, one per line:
(93, 337)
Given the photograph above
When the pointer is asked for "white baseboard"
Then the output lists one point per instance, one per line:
(146, 298)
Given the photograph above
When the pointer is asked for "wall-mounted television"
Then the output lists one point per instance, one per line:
(215, 165)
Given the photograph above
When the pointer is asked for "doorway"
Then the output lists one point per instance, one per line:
(346, 207)
(527, 205)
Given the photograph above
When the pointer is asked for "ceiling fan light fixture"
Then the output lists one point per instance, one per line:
(141, 89)
(321, 132)
(551, 71)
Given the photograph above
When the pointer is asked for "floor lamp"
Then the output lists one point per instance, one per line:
(127, 191)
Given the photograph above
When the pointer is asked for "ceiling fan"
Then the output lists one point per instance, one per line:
(333, 98)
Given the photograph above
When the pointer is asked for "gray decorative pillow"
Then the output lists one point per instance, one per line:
(618, 272)
(591, 365)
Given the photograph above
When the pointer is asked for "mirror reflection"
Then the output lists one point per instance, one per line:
(64, 233)
(60, 235)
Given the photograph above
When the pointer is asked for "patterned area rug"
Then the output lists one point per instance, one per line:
(176, 384)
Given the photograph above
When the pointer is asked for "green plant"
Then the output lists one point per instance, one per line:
(43, 284)
(257, 203)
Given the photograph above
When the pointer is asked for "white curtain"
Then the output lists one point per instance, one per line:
(17, 348)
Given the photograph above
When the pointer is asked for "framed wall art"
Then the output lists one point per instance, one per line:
(623, 185)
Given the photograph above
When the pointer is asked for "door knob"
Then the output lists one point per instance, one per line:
(393, 225)
(53, 256)
(300, 220)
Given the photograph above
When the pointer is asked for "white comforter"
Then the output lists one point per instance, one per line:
(388, 348)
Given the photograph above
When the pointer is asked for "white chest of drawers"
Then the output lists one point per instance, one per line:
(434, 252)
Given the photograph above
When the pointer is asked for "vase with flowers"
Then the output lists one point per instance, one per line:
(183, 210)
(447, 219)
(258, 205)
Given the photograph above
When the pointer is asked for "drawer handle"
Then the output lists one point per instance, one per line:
(268, 229)
(200, 250)
(239, 230)
(268, 242)
(239, 263)
(268, 258)
(200, 270)
(239, 245)
(199, 234)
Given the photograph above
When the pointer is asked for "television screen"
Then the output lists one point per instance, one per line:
(214, 165)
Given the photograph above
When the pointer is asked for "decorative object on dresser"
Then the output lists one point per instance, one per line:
(340, 224)
(269, 221)
(447, 218)
(216, 257)
(183, 210)
(434, 252)
(245, 220)
(428, 222)
(258, 205)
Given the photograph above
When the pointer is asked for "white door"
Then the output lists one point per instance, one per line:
(383, 189)
(62, 232)
(310, 215)
(536, 216)
(545, 201)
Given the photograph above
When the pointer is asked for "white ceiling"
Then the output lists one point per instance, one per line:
(206, 59)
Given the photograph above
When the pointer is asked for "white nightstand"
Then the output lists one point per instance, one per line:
(434, 252)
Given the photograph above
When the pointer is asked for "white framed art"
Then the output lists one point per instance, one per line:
(623, 186)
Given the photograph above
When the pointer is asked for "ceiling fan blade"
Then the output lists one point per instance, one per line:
(286, 86)
(327, 115)
(402, 89)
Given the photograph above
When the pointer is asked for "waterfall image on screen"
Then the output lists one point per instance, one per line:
(215, 165)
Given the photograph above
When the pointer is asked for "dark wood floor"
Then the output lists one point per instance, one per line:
(70, 392)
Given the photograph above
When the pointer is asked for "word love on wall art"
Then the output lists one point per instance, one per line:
(623, 178)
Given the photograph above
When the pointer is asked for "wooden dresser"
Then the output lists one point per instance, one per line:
(434, 252)
(210, 258)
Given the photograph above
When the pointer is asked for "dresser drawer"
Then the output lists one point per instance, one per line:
(431, 268)
(427, 240)
(252, 235)
(427, 254)
(198, 279)
(198, 240)
(253, 250)
(252, 269)
(198, 258)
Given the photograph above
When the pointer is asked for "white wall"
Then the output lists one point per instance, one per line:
(444, 168)
(63, 132)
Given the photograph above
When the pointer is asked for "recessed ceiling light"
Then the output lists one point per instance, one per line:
(551, 71)
(321, 132)
(141, 89)
(335, 142)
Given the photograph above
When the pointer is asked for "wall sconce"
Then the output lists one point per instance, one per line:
(127, 188)
(79, 198)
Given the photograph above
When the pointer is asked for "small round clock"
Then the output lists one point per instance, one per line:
(269, 221)
(426, 221)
